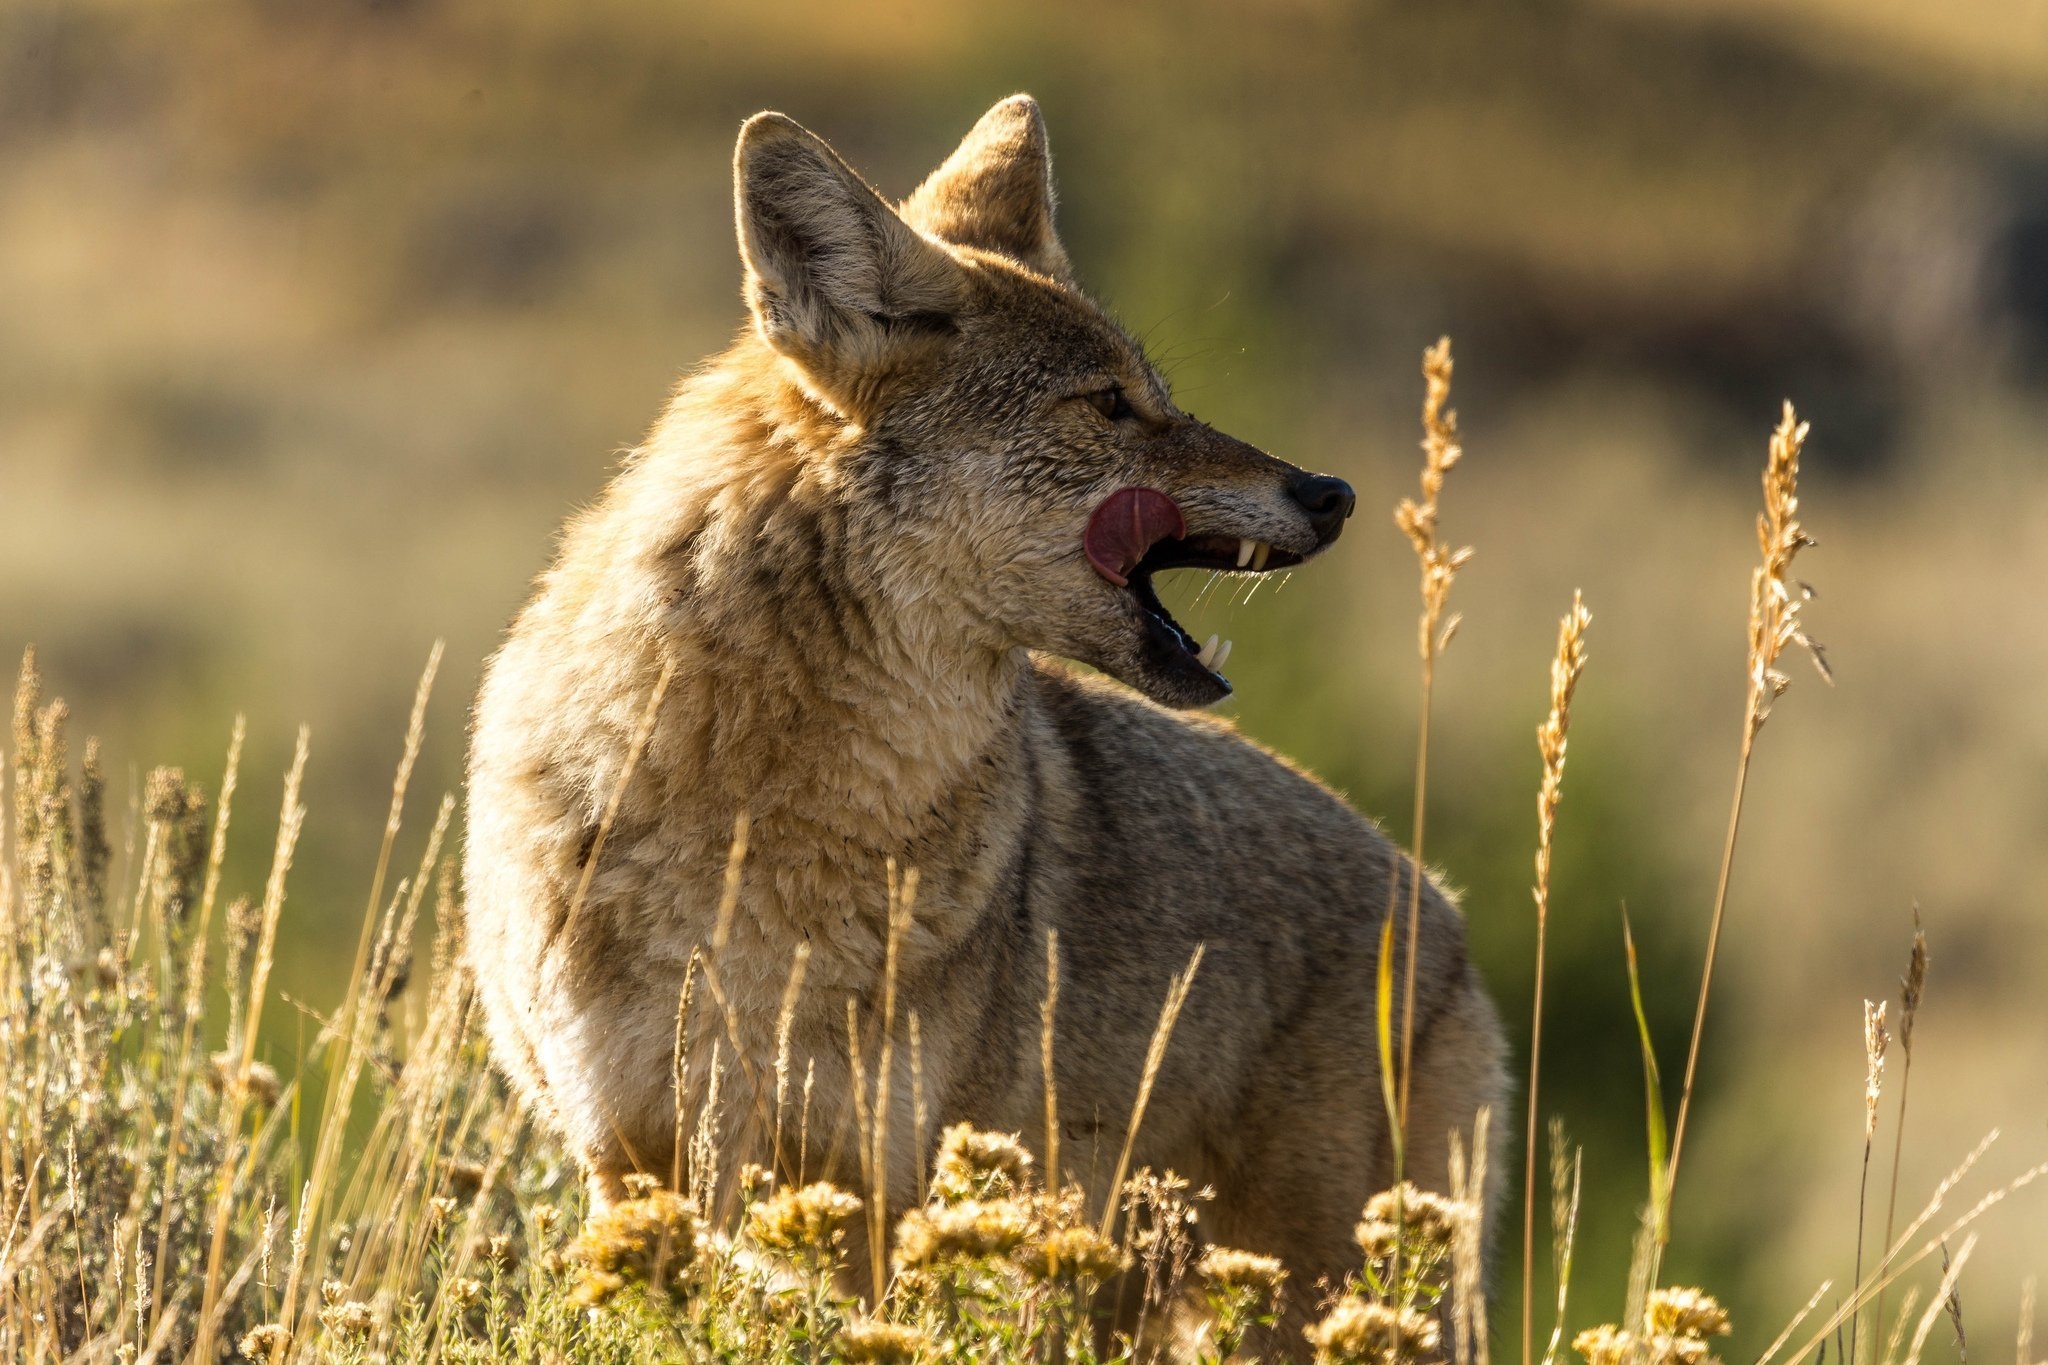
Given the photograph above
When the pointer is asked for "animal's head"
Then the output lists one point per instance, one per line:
(1011, 447)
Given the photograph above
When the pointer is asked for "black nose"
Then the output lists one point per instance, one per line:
(1327, 501)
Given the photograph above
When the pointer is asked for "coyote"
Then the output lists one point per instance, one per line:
(832, 593)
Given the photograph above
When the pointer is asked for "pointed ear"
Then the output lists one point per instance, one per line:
(836, 281)
(995, 191)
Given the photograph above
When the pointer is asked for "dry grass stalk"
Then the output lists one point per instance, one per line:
(1898, 1332)
(902, 906)
(1863, 1293)
(195, 978)
(760, 1096)
(679, 1071)
(857, 1064)
(415, 735)
(920, 1118)
(344, 1073)
(1778, 1344)
(1566, 1183)
(1911, 985)
(1566, 666)
(1417, 519)
(1048, 1012)
(1875, 1040)
(785, 1020)
(291, 818)
(703, 1162)
(1953, 1302)
(803, 1124)
(1468, 1278)
(643, 732)
(1942, 1296)
(1155, 1055)
(2024, 1355)
(1775, 602)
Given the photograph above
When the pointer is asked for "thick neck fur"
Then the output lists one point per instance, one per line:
(826, 681)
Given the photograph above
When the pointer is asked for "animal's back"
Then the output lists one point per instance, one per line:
(1174, 831)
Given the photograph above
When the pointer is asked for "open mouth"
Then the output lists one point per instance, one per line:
(1138, 532)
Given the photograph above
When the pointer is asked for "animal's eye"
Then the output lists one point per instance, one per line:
(1111, 403)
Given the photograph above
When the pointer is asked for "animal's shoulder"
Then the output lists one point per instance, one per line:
(1115, 734)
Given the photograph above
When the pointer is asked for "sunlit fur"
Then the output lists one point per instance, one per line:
(857, 536)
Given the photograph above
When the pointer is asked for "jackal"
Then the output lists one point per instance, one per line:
(857, 546)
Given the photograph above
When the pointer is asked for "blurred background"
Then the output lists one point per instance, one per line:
(315, 321)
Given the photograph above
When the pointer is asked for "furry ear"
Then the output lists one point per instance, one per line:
(995, 191)
(835, 279)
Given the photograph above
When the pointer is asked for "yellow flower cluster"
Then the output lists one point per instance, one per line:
(1428, 1220)
(803, 1221)
(1362, 1331)
(638, 1241)
(1227, 1268)
(1072, 1253)
(273, 1340)
(881, 1343)
(1680, 1321)
(964, 1231)
(975, 1165)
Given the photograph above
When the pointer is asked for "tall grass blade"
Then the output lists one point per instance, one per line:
(1383, 1009)
(1653, 1086)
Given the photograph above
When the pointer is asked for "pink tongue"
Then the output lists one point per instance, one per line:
(1130, 522)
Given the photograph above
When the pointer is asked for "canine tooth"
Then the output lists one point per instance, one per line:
(1259, 557)
(1215, 665)
(1244, 552)
(1208, 652)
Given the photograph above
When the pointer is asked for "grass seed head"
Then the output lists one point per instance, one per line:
(1912, 984)
(1417, 518)
(1551, 736)
(1776, 598)
(1875, 1040)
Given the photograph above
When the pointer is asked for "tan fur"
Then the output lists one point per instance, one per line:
(857, 536)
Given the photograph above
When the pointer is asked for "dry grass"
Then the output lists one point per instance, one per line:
(386, 1201)
(1551, 740)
